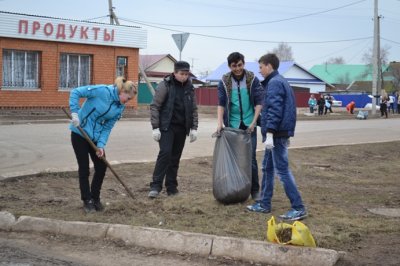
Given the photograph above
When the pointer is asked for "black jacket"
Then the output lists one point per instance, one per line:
(162, 106)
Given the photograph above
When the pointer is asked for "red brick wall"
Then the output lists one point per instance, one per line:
(103, 70)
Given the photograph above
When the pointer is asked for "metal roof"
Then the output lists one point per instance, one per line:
(343, 73)
(67, 19)
(146, 61)
(284, 67)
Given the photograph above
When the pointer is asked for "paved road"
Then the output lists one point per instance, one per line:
(33, 148)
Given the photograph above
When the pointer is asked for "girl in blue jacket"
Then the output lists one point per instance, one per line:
(103, 106)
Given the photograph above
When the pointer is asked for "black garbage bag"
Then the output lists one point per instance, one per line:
(232, 166)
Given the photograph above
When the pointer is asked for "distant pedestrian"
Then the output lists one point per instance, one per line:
(384, 105)
(173, 117)
(350, 107)
(312, 103)
(391, 103)
(321, 105)
(278, 122)
(328, 103)
(97, 116)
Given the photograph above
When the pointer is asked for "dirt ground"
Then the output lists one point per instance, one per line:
(338, 184)
(23, 249)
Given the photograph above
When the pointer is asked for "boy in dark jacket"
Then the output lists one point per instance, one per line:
(278, 122)
(173, 117)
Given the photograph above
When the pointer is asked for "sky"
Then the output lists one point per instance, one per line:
(315, 30)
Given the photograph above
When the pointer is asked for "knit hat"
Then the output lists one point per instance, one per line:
(181, 65)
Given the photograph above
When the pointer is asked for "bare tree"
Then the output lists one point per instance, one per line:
(368, 60)
(336, 60)
(384, 53)
(284, 52)
(395, 72)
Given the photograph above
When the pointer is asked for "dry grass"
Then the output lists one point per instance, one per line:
(338, 184)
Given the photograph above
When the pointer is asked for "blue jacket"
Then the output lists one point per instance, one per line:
(98, 114)
(225, 89)
(278, 115)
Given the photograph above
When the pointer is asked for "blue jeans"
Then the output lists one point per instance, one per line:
(276, 161)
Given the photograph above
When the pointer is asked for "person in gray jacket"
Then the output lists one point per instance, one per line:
(173, 117)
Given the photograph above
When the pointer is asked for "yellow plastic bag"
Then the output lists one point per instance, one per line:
(301, 235)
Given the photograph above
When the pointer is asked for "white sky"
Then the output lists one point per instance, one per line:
(351, 22)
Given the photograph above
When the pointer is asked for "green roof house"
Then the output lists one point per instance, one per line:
(348, 77)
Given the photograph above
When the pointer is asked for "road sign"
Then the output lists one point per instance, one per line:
(180, 40)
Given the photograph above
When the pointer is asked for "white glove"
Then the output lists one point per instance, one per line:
(156, 134)
(75, 119)
(193, 135)
(269, 142)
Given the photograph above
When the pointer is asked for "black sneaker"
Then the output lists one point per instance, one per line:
(98, 206)
(88, 206)
(173, 192)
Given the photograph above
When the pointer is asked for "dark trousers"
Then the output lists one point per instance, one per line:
(383, 108)
(326, 110)
(320, 110)
(255, 184)
(171, 146)
(82, 151)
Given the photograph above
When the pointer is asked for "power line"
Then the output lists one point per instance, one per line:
(335, 52)
(96, 18)
(248, 24)
(249, 40)
(390, 40)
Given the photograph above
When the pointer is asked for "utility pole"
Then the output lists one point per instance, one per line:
(376, 60)
(113, 18)
(192, 58)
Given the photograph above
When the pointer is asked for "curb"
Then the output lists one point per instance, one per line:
(175, 241)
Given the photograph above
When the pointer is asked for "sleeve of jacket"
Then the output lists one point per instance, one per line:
(156, 104)
(221, 94)
(80, 92)
(105, 132)
(258, 91)
(195, 112)
(274, 102)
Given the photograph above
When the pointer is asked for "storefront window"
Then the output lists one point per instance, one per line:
(122, 66)
(75, 70)
(20, 69)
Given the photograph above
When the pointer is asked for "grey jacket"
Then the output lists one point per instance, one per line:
(162, 106)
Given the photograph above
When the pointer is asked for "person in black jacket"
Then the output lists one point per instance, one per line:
(173, 117)
(321, 105)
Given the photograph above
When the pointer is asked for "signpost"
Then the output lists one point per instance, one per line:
(180, 40)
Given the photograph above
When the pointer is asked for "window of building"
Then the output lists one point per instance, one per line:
(122, 66)
(75, 70)
(20, 69)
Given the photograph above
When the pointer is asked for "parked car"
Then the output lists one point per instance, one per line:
(336, 103)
